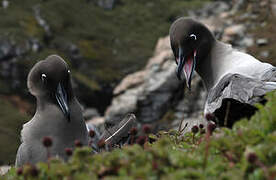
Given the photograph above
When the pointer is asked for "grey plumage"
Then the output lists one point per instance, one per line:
(235, 81)
(241, 92)
(58, 113)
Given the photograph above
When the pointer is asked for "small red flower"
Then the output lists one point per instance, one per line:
(211, 127)
(154, 165)
(78, 143)
(133, 131)
(68, 151)
(19, 171)
(141, 140)
(252, 158)
(201, 126)
(195, 129)
(91, 133)
(47, 141)
(147, 128)
(210, 116)
(34, 171)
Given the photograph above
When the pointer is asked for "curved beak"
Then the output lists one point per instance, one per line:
(186, 62)
(62, 99)
(180, 63)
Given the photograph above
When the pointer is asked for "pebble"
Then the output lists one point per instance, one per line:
(4, 170)
(234, 30)
(264, 54)
(262, 42)
(247, 41)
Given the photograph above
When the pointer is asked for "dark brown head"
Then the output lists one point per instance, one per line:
(50, 79)
(191, 43)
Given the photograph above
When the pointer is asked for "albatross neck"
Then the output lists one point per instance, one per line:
(212, 68)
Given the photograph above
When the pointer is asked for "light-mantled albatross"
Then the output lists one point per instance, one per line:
(235, 81)
(58, 113)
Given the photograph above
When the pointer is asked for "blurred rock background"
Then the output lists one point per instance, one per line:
(111, 48)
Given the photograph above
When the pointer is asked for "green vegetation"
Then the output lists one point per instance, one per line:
(109, 40)
(9, 131)
(247, 151)
(111, 43)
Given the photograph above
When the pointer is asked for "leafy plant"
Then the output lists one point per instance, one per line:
(245, 152)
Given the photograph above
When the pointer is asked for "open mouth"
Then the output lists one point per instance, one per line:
(186, 63)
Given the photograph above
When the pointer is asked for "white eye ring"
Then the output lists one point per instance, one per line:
(43, 77)
(69, 71)
(194, 36)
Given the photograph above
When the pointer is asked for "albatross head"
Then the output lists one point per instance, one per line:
(191, 43)
(50, 80)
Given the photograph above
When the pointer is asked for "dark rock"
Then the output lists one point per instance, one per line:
(106, 4)
(247, 42)
(237, 5)
(6, 49)
(90, 113)
(5, 4)
(189, 109)
(150, 92)
(73, 51)
(262, 42)
(4, 169)
(35, 45)
(42, 22)
(273, 7)
(75, 56)
(264, 54)
(213, 8)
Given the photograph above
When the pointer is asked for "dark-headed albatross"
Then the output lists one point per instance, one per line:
(235, 81)
(58, 113)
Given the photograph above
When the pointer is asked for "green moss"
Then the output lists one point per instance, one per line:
(86, 81)
(4, 89)
(123, 38)
(93, 50)
(11, 122)
(169, 116)
(31, 27)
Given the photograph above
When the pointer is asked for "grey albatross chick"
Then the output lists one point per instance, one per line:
(58, 113)
(235, 81)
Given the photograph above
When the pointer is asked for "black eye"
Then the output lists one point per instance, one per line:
(193, 36)
(43, 77)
